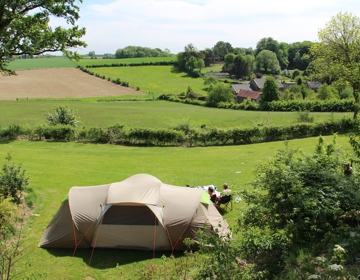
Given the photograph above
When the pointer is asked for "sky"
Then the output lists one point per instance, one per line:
(172, 24)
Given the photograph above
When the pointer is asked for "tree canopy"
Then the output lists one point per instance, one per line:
(338, 53)
(270, 91)
(268, 61)
(24, 28)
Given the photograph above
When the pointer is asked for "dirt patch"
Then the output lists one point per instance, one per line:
(58, 83)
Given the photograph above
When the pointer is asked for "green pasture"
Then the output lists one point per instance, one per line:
(148, 114)
(41, 62)
(53, 168)
(155, 79)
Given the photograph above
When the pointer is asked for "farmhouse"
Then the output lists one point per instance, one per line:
(244, 94)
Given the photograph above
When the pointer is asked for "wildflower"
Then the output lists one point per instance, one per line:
(336, 267)
(339, 249)
(322, 259)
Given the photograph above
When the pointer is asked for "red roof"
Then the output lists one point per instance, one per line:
(254, 95)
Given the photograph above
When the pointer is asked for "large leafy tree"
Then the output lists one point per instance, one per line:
(267, 61)
(25, 29)
(221, 49)
(338, 53)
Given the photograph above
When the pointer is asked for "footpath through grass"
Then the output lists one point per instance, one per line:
(54, 168)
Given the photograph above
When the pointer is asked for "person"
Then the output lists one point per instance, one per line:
(224, 195)
(213, 196)
(226, 191)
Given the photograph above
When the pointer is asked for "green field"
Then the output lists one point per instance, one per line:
(38, 63)
(54, 168)
(148, 114)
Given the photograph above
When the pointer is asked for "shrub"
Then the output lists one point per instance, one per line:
(13, 181)
(62, 115)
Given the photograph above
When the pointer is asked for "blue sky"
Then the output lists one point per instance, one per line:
(172, 24)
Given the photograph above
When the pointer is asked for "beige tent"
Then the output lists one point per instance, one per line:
(140, 212)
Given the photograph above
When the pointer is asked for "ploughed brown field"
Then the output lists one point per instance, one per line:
(58, 83)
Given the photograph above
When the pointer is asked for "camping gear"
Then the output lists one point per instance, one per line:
(139, 212)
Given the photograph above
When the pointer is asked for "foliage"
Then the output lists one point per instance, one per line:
(270, 92)
(240, 65)
(13, 181)
(299, 54)
(137, 51)
(299, 201)
(220, 93)
(221, 49)
(337, 55)
(304, 117)
(267, 61)
(62, 115)
(326, 92)
(222, 259)
(25, 30)
(273, 46)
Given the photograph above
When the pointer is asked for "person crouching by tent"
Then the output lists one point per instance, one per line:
(213, 196)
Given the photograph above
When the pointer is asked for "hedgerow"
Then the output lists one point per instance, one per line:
(181, 135)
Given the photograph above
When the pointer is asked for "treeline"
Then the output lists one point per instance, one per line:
(179, 136)
(137, 51)
(157, 63)
(269, 56)
(345, 105)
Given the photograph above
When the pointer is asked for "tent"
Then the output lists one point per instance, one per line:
(139, 212)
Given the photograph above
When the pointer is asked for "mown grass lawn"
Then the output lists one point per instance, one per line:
(53, 168)
(148, 114)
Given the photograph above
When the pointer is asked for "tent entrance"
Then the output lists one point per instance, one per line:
(132, 227)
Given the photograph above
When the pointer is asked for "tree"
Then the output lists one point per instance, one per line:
(92, 54)
(220, 92)
(337, 56)
(268, 61)
(200, 64)
(25, 30)
(191, 64)
(221, 49)
(270, 91)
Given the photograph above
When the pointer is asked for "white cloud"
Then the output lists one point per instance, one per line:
(174, 23)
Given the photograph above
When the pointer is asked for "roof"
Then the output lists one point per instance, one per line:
(238, 87)
(313, 84)
(254, 95)
(261, 81)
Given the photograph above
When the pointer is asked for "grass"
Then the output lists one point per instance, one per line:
(38, 63)
(54, 168)
(157, 114)
(154, 79)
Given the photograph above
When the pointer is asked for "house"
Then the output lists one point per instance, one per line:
(258, 83)
(244, 94)
(313, 85)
